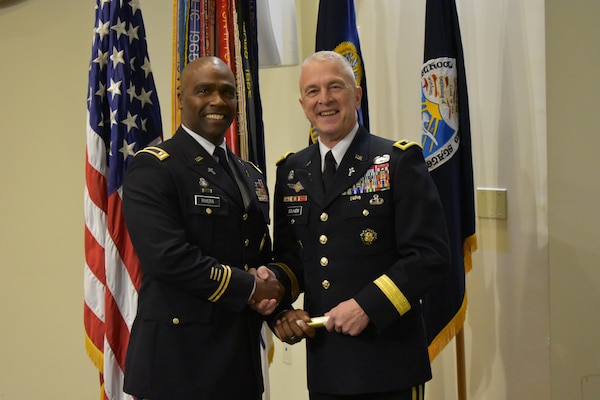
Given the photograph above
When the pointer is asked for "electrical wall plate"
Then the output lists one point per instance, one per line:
(491, 203)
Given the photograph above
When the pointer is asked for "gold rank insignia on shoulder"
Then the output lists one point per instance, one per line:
(155, 151)
(285, 156)
(405, 144)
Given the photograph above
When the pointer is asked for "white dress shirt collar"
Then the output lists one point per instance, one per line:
(340, 148)
(208, 146)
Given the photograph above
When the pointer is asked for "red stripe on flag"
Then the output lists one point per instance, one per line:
(117, 332)
(95, 183)
(94, 327)
(118, 231)
(119, 291)
(94, 256)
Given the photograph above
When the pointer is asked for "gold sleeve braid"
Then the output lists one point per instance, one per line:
(221, 274)
(293, 280)
(394, 295)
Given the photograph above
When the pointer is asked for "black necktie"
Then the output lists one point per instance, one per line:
(220, 153)
(329, 170)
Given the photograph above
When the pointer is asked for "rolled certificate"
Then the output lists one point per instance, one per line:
(318, 322)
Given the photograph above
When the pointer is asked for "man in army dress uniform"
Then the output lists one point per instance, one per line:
(364, 247)
(202, 239)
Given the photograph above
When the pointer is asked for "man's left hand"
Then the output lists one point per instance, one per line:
(347, 318)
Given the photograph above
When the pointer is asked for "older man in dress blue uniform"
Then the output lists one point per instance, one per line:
(364, 245)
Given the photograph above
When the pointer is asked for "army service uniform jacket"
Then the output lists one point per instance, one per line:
(194, 336)
(377, 235)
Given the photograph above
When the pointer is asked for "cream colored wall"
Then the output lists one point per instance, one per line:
(43, 79)
(573, 57)
(43, 71)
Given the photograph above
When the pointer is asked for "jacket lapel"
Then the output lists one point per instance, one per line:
(309, 175)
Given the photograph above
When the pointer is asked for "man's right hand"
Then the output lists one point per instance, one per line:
(267, 293)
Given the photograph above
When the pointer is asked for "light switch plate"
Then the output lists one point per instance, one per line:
(491, 203)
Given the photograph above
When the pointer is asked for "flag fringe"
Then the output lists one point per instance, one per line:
(95, 354)
(469, 247)
(271, 353)
(449, 331)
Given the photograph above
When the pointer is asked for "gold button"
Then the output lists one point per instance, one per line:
(175, 321)
(365, 212)
(300, 245)
(292, 221)
(324, 261)
(324, 217)
(246, 242)
(323, 239)
(245, 216)
(209, 211)
(246, 267)
(325, 284)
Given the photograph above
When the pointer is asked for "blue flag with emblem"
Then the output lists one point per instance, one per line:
(446, 141)
(336, 30)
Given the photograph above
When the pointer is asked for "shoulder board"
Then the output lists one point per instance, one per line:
(285, 156)
(405, 144)
(155, 151)
(255, 167)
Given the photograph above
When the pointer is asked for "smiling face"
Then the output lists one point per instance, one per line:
(329, 96)
(207, 98)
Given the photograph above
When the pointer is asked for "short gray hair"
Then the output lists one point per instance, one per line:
(331, 56)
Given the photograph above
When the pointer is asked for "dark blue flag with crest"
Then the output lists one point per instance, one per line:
(446, 141)
(336, 31)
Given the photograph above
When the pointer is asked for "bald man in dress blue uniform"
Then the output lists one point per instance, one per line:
(202, 239)
(364, 248)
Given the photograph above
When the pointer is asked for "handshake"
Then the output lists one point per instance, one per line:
(268, 292)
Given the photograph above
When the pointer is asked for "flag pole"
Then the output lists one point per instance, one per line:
(461, 377)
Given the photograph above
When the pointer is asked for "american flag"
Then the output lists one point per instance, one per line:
(123, 117)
